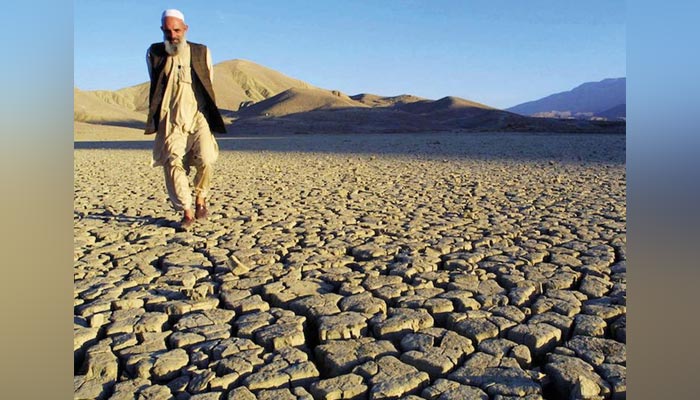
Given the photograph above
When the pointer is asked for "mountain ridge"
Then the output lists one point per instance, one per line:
(256, 98)
(586, 100)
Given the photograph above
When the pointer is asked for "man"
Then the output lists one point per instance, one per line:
(183, 113)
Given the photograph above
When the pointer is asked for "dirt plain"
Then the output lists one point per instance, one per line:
(417, 266)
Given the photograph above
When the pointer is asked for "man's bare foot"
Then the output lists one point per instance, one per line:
(187, 219)
(201, 211)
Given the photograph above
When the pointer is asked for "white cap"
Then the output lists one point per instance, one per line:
(173, 13)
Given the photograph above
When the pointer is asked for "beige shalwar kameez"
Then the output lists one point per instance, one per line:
(184, 138)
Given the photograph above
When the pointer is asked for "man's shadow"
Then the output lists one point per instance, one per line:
(108, 215)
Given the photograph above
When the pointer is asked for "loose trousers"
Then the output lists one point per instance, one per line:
(177, 150)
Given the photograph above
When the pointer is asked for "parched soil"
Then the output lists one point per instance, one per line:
(377, 266)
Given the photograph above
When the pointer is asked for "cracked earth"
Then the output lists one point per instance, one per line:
(437, 266)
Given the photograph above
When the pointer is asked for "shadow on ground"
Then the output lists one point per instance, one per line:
(107, 215)
(564, 147)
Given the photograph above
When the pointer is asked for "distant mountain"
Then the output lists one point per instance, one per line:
(587, 101)
(255, 99)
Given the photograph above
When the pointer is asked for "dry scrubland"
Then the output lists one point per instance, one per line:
(485, 266)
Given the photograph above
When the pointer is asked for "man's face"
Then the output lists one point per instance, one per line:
(174, 30)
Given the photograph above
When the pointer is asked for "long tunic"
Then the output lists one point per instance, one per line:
(183, 106)
(184, 138)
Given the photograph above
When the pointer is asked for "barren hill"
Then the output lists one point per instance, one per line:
(237, 81)
(256, 99)
(448, 104)
(297, 100)
(105, 107)
(374, 100)
(134, 98)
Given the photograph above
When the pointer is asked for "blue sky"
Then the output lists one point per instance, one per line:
(499, 53)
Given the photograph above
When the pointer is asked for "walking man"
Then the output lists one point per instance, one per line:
(183, 114)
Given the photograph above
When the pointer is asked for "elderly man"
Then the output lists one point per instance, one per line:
(183, 113)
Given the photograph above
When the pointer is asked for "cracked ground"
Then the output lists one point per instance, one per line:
(434, 266)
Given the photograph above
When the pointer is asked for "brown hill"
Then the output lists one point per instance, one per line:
(298, 100)
(238, 81)
(133, 98)
(373, 100)
(448, 104)
(259, 99)
(302, 111)
(235, 82)
(111, 108)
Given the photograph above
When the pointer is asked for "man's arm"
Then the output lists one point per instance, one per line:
(149, 63)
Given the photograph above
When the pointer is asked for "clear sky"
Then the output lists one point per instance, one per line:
(500, 53)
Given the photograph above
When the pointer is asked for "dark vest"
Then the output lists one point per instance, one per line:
(159, 80)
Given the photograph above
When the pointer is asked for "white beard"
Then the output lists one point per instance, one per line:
(173, 49)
